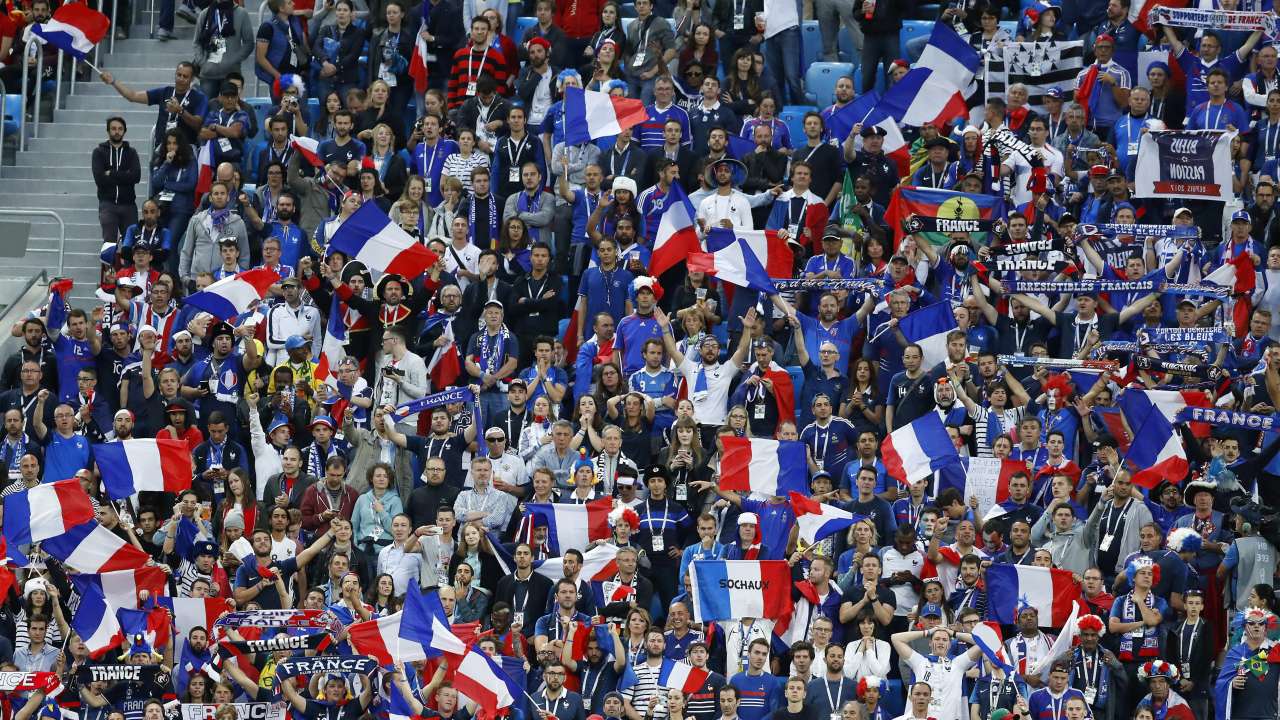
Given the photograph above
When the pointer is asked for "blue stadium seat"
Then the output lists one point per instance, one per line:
(912, 29)
(810, 42)
(820, 81)
(523, 24)
(793, 117)
(12, 114)
(626, 24)
(627, 10)
(261, 107)
(797, 381)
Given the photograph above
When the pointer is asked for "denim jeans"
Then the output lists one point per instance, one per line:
(831, 15)
(165, 22)
(493, 402)
(782, 55)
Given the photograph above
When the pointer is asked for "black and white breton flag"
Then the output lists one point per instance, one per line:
(1039, 66)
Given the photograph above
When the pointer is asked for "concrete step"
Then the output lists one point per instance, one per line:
(71, 216)
(47, 195)
(135, 115)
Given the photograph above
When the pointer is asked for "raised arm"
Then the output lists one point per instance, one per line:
(1038, 307)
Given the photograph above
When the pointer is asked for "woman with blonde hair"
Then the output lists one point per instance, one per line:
(442, 215)
(380, 110)
(415, 191)
(390, 164)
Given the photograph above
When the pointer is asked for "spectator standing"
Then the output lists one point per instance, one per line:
(116, 171)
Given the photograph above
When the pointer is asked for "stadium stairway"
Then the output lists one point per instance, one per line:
(54, 172)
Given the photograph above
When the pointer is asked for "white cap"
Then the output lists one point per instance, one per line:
(748, 518)
(624, 183)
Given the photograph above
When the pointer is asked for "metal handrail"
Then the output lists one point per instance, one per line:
(62, 230)
(4, 93)
(40, 276)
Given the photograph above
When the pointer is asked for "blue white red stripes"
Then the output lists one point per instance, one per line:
(45, 511)
(486, 684)
(1156, 450)
(234, 295)
(417, 632)
(589, 114)
(736, 589)
(572, 526)
(1011, 587)
(75, 28)
(816, 520)
(91, 548)
(370, 237)
(768, 467)
(928, 328)
(137, 465)
(677, 236)
(915, 450)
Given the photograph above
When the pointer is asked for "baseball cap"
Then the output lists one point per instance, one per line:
(1241, 216)
(931, 610)
(1054, 94)
(1099, 171)
(293, 342)
(1181, 210)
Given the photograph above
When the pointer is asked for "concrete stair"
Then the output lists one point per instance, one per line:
(53, 173)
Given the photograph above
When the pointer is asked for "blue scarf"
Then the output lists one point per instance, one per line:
(527, 203)
(492, 349)
(492, 202)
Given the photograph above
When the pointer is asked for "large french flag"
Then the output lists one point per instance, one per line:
(1011, 587)
(418, 65)
(818, 520)
(772, 251)
(335, 340)
(917, 449)
(91, 548)
(767, 467)
(309, 148)
(736, 264)
(1157, 448)
(677, 236)
(589, 115)
(234, 295)
(156, 465)
(486, 684)
(94, 620)
(681, 676)
(573, 527)
(987, 636)
(75, 28)
(863, 111)
(1239, 275)
(370, 237)
(598, 563)
(736, 589)
(934, 90)
(45, 511)
(191, 613)
(928, 328)
(417, 632)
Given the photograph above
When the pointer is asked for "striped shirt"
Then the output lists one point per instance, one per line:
(644, 690)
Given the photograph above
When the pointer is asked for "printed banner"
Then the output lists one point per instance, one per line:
(1181, 336)
(1073, 287)
(1228, 418)
(1027, 247)
(281, 619)
(1217, 20)
(1011, 264)
(1184, 164)
(1032, 360)
(325, 664)
(1185, 369)
(314, 641)
(27, 681)
(1039, 66)
(444, 397)
(1119, 229)
(146, 674)
(851, 284)
(244, 711)
(922, 224)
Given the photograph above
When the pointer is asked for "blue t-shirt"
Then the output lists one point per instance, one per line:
(64, 456)
(659, 385)
(606, 292)
(73, 356)
(832, 446)
(758, 695)
(632, 334)
(555, 376)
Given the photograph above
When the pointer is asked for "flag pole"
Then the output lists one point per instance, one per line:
(92, 67)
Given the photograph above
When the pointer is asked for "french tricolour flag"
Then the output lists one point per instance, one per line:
(45, 511)
(573, 527)
(190, 613)
(1011, 587)
(736, 589)
(234, 295)
(91, 548)
(418, 65)
(1240, 276)
(74, 28)
(486, 684)
(94, 620)
(131, 466)
(987, 636)
(928, 328)
(767, 467)
(818, 520)
(309, 148)
(335, 341)
(917, 449)
(677, 237)
(735, 263)
(370, 237)
(681, 676)
(933, 91)
(598, 563)
(589, 115)
(204, 170)
(417, 632)
(772, 251)
(1156, 447)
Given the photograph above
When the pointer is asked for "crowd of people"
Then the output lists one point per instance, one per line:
(565, 370)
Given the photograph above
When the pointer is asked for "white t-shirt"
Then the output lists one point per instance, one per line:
(780, 15)
(735, 207)
(893, 562)
(946, 677)
(469, 254)
(710, 406)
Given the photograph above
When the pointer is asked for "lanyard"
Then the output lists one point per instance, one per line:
(1184, 651)
(1055, 705)
(512, 155)
(812, 150)
(826, 440)
(613, 170)
(826, 685)
(182, 102)
(1020, 336)
(426, 169)
(470, 75)
(1075, 332)
(804, 210)
(1092, 669)
(552, 707)
(1213, 124)
(1110, 528)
